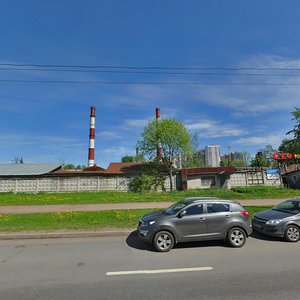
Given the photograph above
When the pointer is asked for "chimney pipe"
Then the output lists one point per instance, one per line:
(157, 112)
(159, 149)
(91, 156)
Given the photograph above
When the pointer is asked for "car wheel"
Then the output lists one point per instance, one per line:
(163, 241)
(236, 237)
(292, 234)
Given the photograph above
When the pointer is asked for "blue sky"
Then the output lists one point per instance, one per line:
(243, 108)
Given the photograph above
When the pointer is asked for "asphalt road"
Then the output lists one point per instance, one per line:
(91, 268)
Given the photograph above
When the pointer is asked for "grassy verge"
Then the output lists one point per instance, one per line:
(79, 220)
(258, 192)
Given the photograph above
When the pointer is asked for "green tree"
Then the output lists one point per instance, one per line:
(246, 158)
(268, 151)
(73, 167)
(152, 178)
(292, 145)
(233, 163)
(127, 158)
(69, 167)
(296, 130)
(194, 158)
(171, 136)
(260, 160)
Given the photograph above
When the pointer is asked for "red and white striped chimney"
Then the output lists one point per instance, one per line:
(91, 158)
(159, 149)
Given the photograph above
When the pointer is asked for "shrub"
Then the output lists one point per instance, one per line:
(146, 183)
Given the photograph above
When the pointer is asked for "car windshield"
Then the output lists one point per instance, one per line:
(173, 209)
(289, 206)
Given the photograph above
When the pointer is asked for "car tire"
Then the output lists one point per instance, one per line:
(236, 237)
(292, 234)
(163, 241)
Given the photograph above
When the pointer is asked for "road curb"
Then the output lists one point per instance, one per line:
(54, 235)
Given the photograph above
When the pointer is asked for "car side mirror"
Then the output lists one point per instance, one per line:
(182, 214)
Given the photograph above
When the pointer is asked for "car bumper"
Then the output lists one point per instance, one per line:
(271, 230)
(145, 234)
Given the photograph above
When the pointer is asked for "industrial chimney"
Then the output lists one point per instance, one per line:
(159, 149)
(91, 158)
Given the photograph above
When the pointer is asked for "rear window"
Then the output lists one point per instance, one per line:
(217, 207)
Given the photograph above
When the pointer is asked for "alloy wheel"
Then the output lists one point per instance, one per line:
(292, 234)
(236, 237)
(163, 241)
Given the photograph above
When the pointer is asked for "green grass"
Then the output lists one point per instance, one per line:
(256, 192)
(79, 220)
(71, 220)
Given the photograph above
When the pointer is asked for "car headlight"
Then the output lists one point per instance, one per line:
(274, 222)
(151, 222)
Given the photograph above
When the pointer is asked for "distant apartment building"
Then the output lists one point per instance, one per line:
(212, 155)
(232, 156)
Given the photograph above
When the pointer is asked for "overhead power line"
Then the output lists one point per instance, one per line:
(149, 72)
(147, 83)
(148, 67)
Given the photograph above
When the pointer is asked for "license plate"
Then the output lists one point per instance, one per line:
(257, 225)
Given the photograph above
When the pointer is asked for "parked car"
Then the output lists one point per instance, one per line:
(196, 219)
(282, 220)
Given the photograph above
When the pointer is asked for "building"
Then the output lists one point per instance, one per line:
(291, 175)
(226, 177)
(233, 156)
(212, 155)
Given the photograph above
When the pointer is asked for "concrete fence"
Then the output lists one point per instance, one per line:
(63, 184)
(60, 184)
(113, 182)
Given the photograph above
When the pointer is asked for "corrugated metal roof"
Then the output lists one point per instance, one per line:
(28, 169)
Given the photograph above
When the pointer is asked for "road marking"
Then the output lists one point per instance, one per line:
(198, 269)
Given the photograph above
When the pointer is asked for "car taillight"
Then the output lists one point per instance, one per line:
(245, 213)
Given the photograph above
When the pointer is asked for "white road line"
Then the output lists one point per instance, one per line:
(198, 269)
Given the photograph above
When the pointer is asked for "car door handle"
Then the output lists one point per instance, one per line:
(228, 216)
(202, 219)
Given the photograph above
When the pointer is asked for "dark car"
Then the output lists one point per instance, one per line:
(196, 219)
(281, 221)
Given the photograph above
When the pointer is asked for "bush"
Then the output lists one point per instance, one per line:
(146, 183)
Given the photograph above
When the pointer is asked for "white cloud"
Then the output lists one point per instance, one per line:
(47, 142)
(213, 129)
(274, 140)
(108, 135)
(115, 152)
(273, 93)
(138, 123)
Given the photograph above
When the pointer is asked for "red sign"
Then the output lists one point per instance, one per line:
(284, 155)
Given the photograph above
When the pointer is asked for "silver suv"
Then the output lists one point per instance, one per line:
(196, 219)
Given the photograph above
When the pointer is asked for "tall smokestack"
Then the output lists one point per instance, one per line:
(159, 149)
(157, 113)
(91, 158)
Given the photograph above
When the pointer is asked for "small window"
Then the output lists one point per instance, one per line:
(194, 210)
(217, 207)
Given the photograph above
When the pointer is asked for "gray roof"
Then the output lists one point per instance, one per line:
(28, 169)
